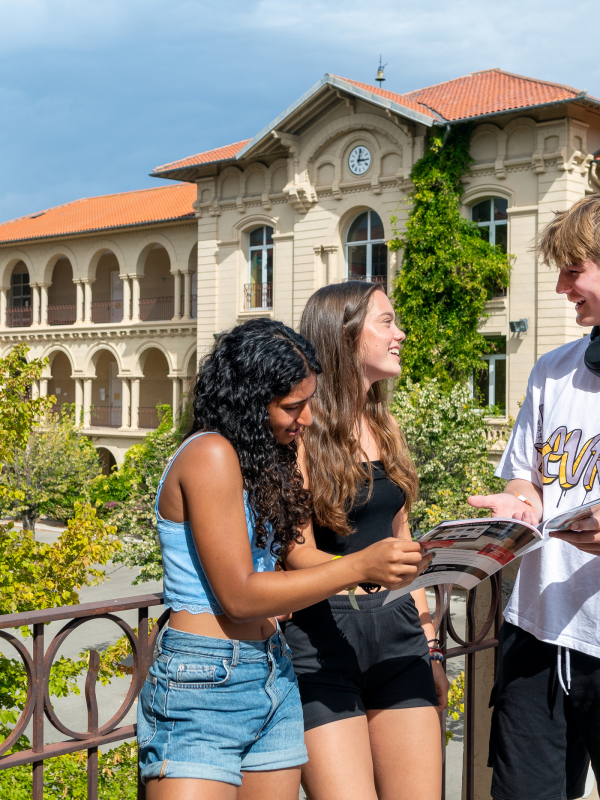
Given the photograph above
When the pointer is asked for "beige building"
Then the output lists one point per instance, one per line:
(122, 292)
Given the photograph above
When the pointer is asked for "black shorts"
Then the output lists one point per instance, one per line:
(348, 661)
(542, 739)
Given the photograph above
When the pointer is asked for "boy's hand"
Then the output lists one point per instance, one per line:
(505, 505)
(584, 534)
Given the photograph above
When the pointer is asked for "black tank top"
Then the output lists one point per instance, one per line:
(371, 521)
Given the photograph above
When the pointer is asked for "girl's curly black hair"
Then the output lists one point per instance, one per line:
(247, 368)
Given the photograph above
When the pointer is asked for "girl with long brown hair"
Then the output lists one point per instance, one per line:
(371, 695)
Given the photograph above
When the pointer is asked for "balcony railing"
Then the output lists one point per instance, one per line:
(106, 417)
(147, 417)
(103, 311)
(352, 276)
(258, 295)
(18, 317)
(107, 311)
(62, 315)
(155, 308)
(38, 665)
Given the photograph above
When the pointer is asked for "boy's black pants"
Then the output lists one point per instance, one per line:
(542, 739)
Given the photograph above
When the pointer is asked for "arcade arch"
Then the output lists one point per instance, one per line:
(107, 460)
(155, 387)
(61, 384)
(107, 291)
(157, 289)
(62, 295)
(103, 393)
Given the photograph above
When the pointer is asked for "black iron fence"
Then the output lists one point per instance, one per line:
(38, 707)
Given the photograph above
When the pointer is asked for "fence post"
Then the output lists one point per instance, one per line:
(37, 792)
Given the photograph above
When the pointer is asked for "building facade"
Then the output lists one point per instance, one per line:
(123, 293)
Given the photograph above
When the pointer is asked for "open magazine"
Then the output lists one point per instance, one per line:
(466, 551)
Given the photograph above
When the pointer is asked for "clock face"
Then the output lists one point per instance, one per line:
(359, 160)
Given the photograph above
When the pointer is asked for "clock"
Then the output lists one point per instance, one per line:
(359, 160)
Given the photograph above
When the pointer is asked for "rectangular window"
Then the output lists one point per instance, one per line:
(357, 261)
(489, 385)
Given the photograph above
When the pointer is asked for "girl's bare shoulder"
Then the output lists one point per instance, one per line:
(211, 453)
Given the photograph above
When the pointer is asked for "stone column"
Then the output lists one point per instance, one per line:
(35, 390)
(125, 403)
(3, 306)
(176, 400)
(79, 303)
(135, 311)
(177, 307)
(87, 316)
(135, 403)
(35, 312)
(78, 401)
(126, 299)
(44, 304)
(87, 402)
(44, 387)
(187, 295)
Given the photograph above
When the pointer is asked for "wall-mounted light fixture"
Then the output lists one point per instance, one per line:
(518, 325)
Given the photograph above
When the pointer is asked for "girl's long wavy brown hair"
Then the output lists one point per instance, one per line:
(332, 322)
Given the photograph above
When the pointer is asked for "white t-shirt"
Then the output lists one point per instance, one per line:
(555, 444)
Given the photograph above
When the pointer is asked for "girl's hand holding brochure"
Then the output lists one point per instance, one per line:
(468, 551)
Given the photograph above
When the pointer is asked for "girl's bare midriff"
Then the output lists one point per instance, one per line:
(221, 627)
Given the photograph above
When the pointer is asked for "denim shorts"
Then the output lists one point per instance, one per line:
(211, 708)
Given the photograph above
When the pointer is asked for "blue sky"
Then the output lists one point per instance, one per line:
(95, 93)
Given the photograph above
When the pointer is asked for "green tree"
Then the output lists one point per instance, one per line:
(37, 575)
(448, 271)
(446, 435)
(48, 472)
(19, 411)
(127, 496)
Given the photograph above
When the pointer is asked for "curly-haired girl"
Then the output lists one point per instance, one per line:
(221, 700)
(368, 691)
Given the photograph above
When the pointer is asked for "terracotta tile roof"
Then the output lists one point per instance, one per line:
(219, 154)
(402, 99)
(475, 95)
(108, 211)
(488, 92)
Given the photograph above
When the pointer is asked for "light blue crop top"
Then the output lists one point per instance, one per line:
(186, 587)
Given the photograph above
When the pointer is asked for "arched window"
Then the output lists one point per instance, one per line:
(18, 313)
(366, 250)
(259, 289)
(492, 218)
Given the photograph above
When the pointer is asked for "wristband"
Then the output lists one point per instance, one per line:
(523, 499)
(351, 592)
(436, 654)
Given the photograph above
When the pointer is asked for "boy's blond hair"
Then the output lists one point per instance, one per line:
(573, 236)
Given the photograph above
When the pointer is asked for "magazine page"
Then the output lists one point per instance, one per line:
(468, 551)
(560, 522)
